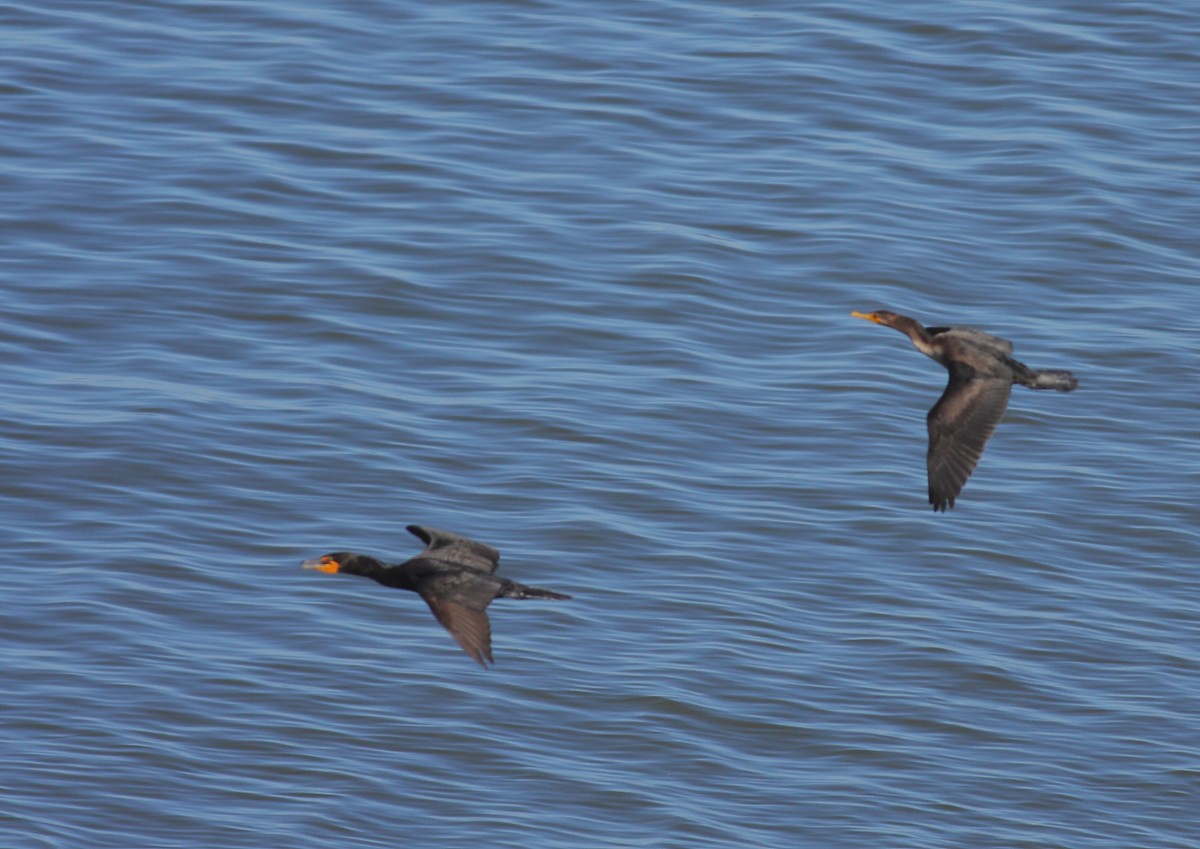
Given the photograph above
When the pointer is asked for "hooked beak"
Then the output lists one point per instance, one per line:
(321, 564)
(869, 316)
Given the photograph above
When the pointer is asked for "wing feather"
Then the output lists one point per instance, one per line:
(450, 547)
(471, 629)
(960, 424)
(459, 600)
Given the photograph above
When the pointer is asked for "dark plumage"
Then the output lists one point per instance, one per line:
(456, 577)
(982, 373)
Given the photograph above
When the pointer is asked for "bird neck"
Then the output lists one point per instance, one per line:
(366, 566)
(921, 338)
(390, 575)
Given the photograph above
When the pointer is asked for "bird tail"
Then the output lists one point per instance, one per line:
(1058, 379)
(521, 591)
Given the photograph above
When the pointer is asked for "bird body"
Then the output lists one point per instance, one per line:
(456, 577)
(982, 373)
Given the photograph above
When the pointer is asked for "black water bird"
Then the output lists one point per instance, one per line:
(982, 373)
(456, 577)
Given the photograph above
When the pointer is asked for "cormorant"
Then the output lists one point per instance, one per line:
(982, 373)
(455, 576)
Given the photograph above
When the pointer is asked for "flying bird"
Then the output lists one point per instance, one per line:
(982, 373)
(456, 577)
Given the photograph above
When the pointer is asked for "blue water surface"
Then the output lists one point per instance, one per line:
(281, 278)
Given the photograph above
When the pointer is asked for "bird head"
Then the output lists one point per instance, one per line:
(883, 317)
(338, 561)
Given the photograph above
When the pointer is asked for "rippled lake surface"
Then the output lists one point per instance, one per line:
(575, 280)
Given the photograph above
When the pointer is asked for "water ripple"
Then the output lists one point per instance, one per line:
(284, 279)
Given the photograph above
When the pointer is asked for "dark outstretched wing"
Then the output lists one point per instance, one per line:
(459, 601)
(454, 548)
(966, 343)
(471, 629)
(960, 424)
